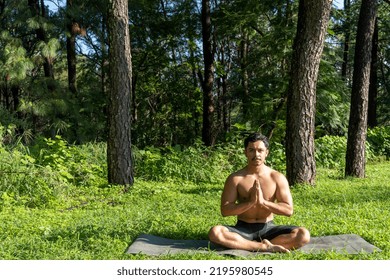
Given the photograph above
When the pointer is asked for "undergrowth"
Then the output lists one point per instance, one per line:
(55, 202)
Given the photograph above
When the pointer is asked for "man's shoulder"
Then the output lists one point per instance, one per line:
(237, 175)
(278, 177)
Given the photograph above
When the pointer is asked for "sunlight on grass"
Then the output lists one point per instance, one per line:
(100, 222)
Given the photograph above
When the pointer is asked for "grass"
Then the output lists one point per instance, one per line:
(99, 223)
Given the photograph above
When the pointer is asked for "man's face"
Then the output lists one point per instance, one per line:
(256, 153)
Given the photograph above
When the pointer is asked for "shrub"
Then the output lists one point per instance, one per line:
(379, 139)
(196, 163)
(22, 183)
(330, 151)
(277, 157)
(79, 165)
(38, 176)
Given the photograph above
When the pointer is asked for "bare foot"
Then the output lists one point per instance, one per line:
(274, 248)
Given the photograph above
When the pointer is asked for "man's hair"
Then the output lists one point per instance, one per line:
(253, 137)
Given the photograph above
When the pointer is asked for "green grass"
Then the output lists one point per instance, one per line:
(99, 223)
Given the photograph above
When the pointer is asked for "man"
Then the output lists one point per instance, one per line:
(254, 194)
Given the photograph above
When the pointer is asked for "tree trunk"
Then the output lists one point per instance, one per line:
(357, 130)
(347, 28)
(208, 80)
(373, 90)
(245, 76)
(313, 20)
(119, 154)
(38, 10)
(71, 47)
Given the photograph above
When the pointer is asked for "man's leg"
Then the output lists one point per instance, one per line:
(222, 236)
(294, 240)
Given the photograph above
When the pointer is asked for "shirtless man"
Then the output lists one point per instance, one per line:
(254, 194)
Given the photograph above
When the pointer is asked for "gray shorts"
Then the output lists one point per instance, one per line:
(260, 231)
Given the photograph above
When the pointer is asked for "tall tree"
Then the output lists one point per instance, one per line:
(373, 89)
(38, 11)
(244, 47)
(119, 153)
(313, 17)
(72, 28)
(208, 78)
(347, 35)
(357, 129)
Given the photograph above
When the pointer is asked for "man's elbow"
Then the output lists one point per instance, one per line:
(289, 212)
(225, 212)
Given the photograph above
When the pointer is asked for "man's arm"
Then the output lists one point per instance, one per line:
(284, 203)
(229, 205)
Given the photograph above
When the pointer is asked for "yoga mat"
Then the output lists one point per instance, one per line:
(157, 246)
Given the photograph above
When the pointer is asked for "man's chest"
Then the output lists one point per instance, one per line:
(268, 189)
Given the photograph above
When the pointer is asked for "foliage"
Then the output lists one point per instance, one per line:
(250, 85)
(331, 151)
(55, 202)
(196, 163)
(99, 223)
(277, 157)
(379, 138)
(22, 184)
(54, 198)
(332, 103)
(72, 164)
(38, 176)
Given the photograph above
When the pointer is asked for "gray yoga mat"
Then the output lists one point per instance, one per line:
(156, 246)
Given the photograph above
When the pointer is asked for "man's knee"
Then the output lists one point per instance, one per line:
(215, 233)
(302, 236)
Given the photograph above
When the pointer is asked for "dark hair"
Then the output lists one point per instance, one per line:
(253, 137)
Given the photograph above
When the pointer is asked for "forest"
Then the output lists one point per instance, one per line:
(54, 69)
(197, 72)
(196, 78)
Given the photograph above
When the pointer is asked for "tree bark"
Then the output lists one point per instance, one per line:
(38, 10)
(245, 76)
(71, 48)
(347, 28)
(119, 153)
(208, 80)
(313, 20)
(357, 130)
(373, 89)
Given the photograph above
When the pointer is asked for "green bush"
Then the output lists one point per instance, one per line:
(277, 157)
(379, 139)
(79, 165)
(196, 163)
(52, 170)
(203, 164)
(22, 183)
(38, 176)
(330, 151)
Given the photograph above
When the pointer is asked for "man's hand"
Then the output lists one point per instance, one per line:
(256, 194)
(260, 197)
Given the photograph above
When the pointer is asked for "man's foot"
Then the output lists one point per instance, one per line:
(274, 248)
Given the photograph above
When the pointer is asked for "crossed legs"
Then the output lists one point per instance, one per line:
(282, 243)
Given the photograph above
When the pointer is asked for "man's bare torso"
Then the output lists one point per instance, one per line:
(244, 183)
